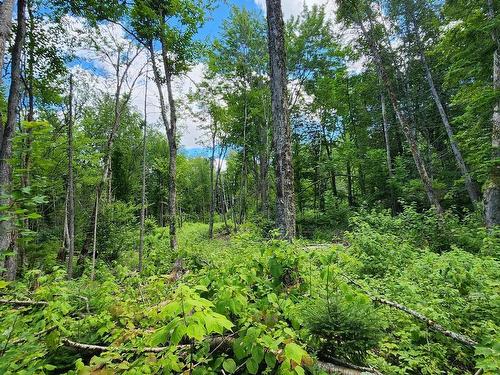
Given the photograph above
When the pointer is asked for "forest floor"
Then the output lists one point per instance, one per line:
(248, 304)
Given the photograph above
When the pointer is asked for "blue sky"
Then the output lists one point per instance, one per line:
(212, 27)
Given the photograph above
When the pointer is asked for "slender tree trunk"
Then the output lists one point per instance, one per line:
(492, 190)
(285, 194)
(71, 189)
(171, 130)
(143, 187)
(469, 184)
(107, 157)
(405, 126)
(94, 243)
(8, 232)
(172, 169)
(387, 141)
(212, 189)
(225, 207)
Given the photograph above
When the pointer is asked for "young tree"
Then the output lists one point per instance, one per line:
(120, 55)
(173, 27)
(285, 198)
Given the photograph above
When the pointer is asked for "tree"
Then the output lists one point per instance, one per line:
(7, 225)
(285, 199)
(492, 191)
(5, 25)
(70, 213)
(150, 20)
(120, 55)
(357, 14)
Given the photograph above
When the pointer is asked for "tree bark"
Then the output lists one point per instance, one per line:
(285, 195)
(212, 187)
(94, 243)
(5, 29)
(492, 190)
(8, 233)
(71, 189)
(143, 187)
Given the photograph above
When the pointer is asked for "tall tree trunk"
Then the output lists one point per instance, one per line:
(5, 29)
(469, 184)
(94, 241)
(403, 121)
(119, 106)
(285, 194)
(387, 141)
(8, 233)
(143, 187)
(212, 188)
(71, 189)
(170, 129)
(492, 190)
(172, 167)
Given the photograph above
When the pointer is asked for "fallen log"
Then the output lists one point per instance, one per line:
(429, 322)
(219, 344)
(417, 315)
(23, 303)
(337, 366)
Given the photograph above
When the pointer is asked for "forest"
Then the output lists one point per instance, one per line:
(250, 187)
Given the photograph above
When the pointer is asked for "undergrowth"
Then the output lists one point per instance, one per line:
(275, 307)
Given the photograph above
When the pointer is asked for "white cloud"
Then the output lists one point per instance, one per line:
(295, 7)
(95, 72)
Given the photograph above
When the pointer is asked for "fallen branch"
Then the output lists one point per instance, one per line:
(37, 334)
(336, 366)
(23, 303)
(99, 348)
(429, 322)
(419, 316)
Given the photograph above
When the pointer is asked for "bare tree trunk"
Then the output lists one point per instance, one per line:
(119, 107)
(469, 184)
(143, 188)
(171, 130)
(492, 190)
(71, 189)
(285, 194)
(172, 167)
(5, 29)
(405, 126)
(385, 125)
(94, 243)
(212, 187)
(8, 232)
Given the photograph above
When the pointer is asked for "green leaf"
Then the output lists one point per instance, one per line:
(229, 365)
(196, 331)
(299, 370)
(178, 334)
(270, 360)
(159, 337)
(294, 352)
(252, 365)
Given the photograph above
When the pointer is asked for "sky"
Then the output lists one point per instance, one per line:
(98, 72)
